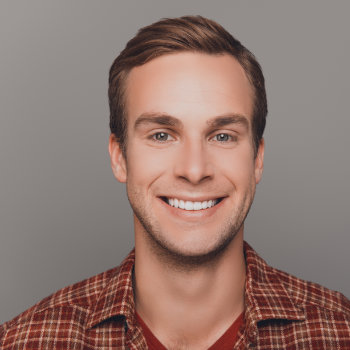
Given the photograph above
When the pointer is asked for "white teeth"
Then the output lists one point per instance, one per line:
(197, 206)
(188, 205)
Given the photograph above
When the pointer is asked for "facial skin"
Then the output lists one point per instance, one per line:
(189, 138)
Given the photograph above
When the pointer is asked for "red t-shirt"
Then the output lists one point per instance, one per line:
(225, 342)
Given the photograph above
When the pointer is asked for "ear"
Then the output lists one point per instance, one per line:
(118, 162)
(259, 161)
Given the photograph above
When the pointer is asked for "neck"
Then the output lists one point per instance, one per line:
(197, 304)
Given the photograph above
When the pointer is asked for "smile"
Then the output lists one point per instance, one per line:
(189, 205)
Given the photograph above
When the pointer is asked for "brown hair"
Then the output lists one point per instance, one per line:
(189, 33)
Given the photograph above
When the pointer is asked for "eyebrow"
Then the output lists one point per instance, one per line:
(157, 118)
(224, 120)
(168, 120)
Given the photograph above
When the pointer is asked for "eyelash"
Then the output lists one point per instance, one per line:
(153, 136)
(231, 138)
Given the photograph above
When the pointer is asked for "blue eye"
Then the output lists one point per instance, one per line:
(222, 137)
(161, 136)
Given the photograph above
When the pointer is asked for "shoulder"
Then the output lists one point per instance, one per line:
(68, 308)
(325, 321)
(312, 296)
(290, 310)
(286, 289)
(321, 317)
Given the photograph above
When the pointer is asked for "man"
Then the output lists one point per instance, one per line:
(188, 109)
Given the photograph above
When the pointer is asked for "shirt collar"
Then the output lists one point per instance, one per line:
(117, 298)
(266, 296)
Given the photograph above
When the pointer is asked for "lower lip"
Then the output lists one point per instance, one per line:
(192, 214)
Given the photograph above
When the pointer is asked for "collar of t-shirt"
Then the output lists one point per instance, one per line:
(226, 341)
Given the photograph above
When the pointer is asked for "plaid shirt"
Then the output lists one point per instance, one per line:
(281, 312)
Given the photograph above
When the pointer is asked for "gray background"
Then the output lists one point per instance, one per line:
(63, 217)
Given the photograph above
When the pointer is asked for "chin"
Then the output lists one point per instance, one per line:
(185, 257)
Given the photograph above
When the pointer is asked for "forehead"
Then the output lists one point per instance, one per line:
(190, 86)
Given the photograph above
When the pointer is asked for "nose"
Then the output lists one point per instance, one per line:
(194, 163)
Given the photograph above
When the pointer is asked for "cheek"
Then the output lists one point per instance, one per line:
(237, 166)
(145, 164)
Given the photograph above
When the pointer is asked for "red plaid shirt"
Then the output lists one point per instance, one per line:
(281, 312)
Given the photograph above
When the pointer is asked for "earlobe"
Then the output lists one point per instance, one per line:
(259, 161)
(118, 162)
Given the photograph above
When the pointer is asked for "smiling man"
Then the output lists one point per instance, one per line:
(188, 109)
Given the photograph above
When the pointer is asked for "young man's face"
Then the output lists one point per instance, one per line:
(190, 168)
